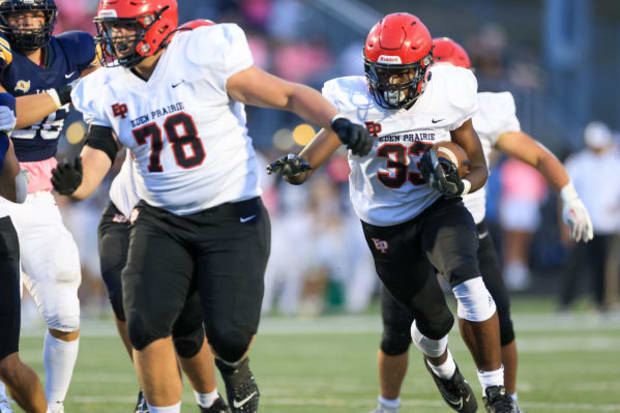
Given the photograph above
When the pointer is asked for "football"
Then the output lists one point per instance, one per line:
(454, 153)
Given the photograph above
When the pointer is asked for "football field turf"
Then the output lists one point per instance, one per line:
(328, 365)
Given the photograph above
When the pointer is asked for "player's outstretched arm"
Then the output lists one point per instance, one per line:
(13, 182)
(322, 146)
(521, 146)
(255, 87)
(478, 173)
(33, 108)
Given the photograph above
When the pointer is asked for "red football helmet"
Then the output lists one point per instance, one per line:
(447, 50)
(154, 20)
(399, 46)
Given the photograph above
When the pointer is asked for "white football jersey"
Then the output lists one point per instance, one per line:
(124, 191)
(188, 139)
(496, 115)
(386, 186)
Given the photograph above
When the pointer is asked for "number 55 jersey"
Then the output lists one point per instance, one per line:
(187, 136)
(386, 186)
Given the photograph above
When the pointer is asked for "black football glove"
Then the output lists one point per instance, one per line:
(354, 136)
(67, 177)
(441, 174)
(289, 165)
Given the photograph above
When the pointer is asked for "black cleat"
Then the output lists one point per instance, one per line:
(498, 401)
(241, 387)
(219, 406)
(455, 391)
(141, 406)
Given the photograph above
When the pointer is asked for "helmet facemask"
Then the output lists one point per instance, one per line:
(126, 50)
(28, 39)
(396, 86)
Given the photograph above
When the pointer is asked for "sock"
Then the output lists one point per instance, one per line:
(206, 400)
(391, 403)
(176, 408)
(514, 396)
(445, 370)
(59, 359)
(491, 378)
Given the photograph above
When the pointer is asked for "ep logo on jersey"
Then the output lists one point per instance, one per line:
(119, 109)
(373, 128)
(381, 245)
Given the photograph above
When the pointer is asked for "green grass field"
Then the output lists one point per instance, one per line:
(327, 365)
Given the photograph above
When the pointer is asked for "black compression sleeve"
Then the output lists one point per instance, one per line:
(102, 138)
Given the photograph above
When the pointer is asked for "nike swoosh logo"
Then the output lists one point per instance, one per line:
(239, 404)
(458, 405)
(69, 75)
(483, 235)
(178, 84)
(436, 121)
(243, 220)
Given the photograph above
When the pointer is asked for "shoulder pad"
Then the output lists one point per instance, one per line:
(347, 93)
(497, 113)
(80, 47)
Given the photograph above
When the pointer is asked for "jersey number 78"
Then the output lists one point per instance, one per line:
(178, 141)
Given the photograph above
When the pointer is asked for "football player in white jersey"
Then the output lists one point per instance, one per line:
(409, 204)
(498, 128)
(174, 102)
(113, 232)
(21, 380)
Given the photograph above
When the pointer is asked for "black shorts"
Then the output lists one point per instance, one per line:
(113, 237)
(397, 319)
(10, 298)
(441, 238)
(223, 251)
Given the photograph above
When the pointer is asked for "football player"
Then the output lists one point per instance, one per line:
(187, 334)
(37, 69)
(22, 381)
(409, 202)
(176, 103)
(498, 128)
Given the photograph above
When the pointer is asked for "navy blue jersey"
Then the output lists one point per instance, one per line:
(67, 56)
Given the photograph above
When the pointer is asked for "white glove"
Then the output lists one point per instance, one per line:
(21, 186)
(575, 215)
(7, 119)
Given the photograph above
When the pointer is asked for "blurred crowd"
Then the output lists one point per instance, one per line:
(319, 261)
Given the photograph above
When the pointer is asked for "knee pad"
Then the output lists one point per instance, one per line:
(474, 302)
(229, 344)
(60, 307)
(428, 346)
(395, 341)
(116, 300)
(189, 345)
(143, 330)
(506, 330)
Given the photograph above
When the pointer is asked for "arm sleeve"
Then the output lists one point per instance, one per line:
(221, 51)
(102, 138)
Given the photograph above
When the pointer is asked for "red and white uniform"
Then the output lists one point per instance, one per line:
(188, 140)
(386, 186)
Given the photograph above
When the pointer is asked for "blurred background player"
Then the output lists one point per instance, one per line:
(498, 128)
(191, 347)
(37, 70)
(410, 206)
(599, 159)
(201, 175)
(22, 381)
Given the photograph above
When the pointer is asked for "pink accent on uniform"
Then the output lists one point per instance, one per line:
(522, 181)
(40, 174)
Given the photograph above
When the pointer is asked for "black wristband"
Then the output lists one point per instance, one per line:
(64, 94)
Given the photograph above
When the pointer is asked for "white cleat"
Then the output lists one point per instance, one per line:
(384, 409)
(57, 408)
(5, 406)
